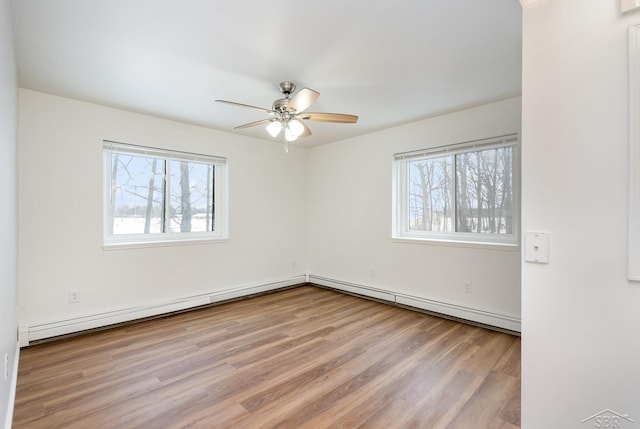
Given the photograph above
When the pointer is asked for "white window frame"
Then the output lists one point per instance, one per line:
(220, 231)
(400, 216)
(634, 154)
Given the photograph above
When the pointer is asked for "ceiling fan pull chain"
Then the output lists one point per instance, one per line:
(284, 137)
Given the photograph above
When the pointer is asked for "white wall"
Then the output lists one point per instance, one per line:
(336, 198)
(349, 206)
(60, 204)
(581, 316)
(8, 207)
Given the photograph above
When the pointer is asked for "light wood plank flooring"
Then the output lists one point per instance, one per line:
(300, 358)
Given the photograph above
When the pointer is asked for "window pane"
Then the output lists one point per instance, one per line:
(484, 197)
(191, 196)
(430, 194)
(136, 194)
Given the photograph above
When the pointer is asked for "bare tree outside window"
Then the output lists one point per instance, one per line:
(191, 196)
(484, 197)
(137, 195)
(430, 195)
(136, 190)
(459, 190)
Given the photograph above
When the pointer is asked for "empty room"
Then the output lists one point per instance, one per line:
(320, 215)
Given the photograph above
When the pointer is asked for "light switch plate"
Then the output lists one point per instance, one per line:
(627, 5)
(537, 247)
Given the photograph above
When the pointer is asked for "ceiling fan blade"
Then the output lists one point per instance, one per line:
(303, 99)
(233, 103)
(306, 132)
(330, 117)
(252, 124)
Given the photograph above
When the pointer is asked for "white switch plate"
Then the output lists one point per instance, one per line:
(537, 247)
(627, 5)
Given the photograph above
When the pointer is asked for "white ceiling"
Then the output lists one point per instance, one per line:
(388, 62)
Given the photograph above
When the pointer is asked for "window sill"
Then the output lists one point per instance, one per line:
(508, 247)
(161, 243)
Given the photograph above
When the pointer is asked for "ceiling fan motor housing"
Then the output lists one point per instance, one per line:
(280, 105)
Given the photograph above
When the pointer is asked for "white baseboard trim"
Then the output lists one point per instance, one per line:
(12, 389)
(498, 320)
(56, 328)
(92, 321)
(353, 288)
(503, 321)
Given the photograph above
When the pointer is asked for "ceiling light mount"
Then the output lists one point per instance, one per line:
(287, 88)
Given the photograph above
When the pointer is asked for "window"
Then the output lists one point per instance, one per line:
(464, 192)
(155, 195)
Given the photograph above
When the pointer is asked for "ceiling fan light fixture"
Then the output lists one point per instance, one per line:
(274, 128)
(296, 127)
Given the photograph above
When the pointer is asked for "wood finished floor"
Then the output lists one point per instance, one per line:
(300, 358)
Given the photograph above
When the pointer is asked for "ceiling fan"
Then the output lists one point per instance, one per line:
(288, 114)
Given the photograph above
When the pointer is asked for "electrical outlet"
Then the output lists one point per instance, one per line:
(74, 296)
(6, 366)
(467, 287)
